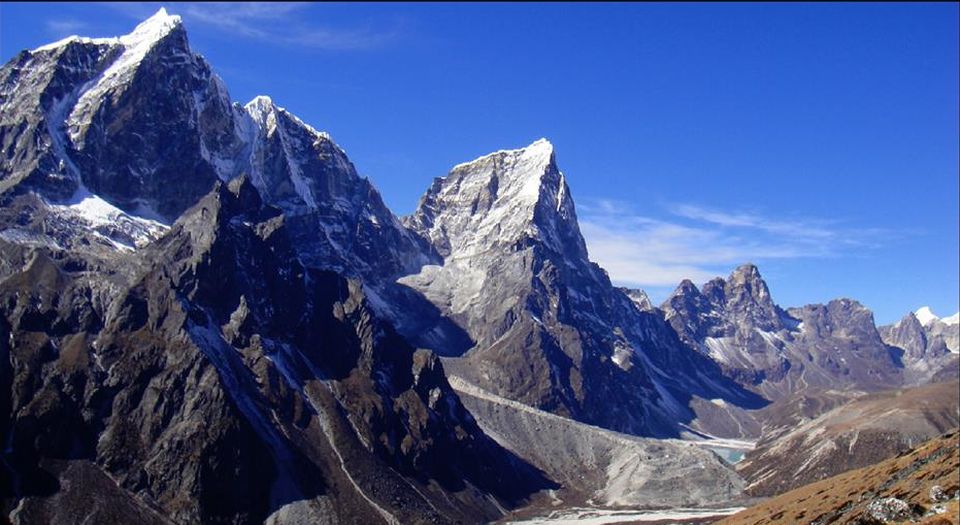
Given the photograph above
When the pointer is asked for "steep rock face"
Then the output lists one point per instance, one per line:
(735, 322)
(121, 135)
(129, 118)
(548, 328)
(487, 209)
(947, 329)
(739, 305)
(777, 352)
(229, 382)
(747, 299)
(841, 340)
(928, 349)
(639, 298)
(29, 95)
(909, 335)
(337, 218)
(213, 367)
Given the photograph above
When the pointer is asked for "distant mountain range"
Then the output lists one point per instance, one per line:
(207, 314)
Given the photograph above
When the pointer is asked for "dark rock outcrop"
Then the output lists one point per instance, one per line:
(213, 377)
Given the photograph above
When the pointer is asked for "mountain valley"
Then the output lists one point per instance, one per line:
(208, 315)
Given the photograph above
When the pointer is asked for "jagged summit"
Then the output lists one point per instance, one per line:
(141, 124)
(118, 77)
(540, 149)
(503, 198)
(745, 290)
(746, 272)
(264, 110)
(241, 296)
(736, 322)
(288, 317)
(639, 298)
(925, 344)
(743, 295)
(548, 327)
(152, 29)
(686, 286)
(260, 104)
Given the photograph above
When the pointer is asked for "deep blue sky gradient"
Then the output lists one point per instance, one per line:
(834, 121)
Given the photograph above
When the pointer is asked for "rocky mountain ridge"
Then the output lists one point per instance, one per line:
(75, 110)
(548, 327)
(780, 352)
(170, 353)
(193, 287)
(926, 345)
(220, 349)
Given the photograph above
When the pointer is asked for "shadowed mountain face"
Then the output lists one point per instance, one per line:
(121, 135)
(224, 354)
(578, 343)
(215, 368)
(206, 314)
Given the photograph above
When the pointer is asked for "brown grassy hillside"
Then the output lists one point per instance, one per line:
(845, 498)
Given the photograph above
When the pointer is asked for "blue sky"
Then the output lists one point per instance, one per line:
(819, 141)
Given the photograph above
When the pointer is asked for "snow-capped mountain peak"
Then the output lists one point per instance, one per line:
(152, 29)
(747, 272)
(60, 44)
(539, 151)
(505, 197)
(517, 172)
(264, 111)
(260, 107)
(117, 78)
(135, 129)
(925, 316)
(146, 33)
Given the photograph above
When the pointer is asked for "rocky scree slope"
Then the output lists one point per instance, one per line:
(599, 467)
(106, 142)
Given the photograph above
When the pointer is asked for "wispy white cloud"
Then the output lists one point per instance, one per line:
(698, 243)
(64, 27)
(278, 23)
